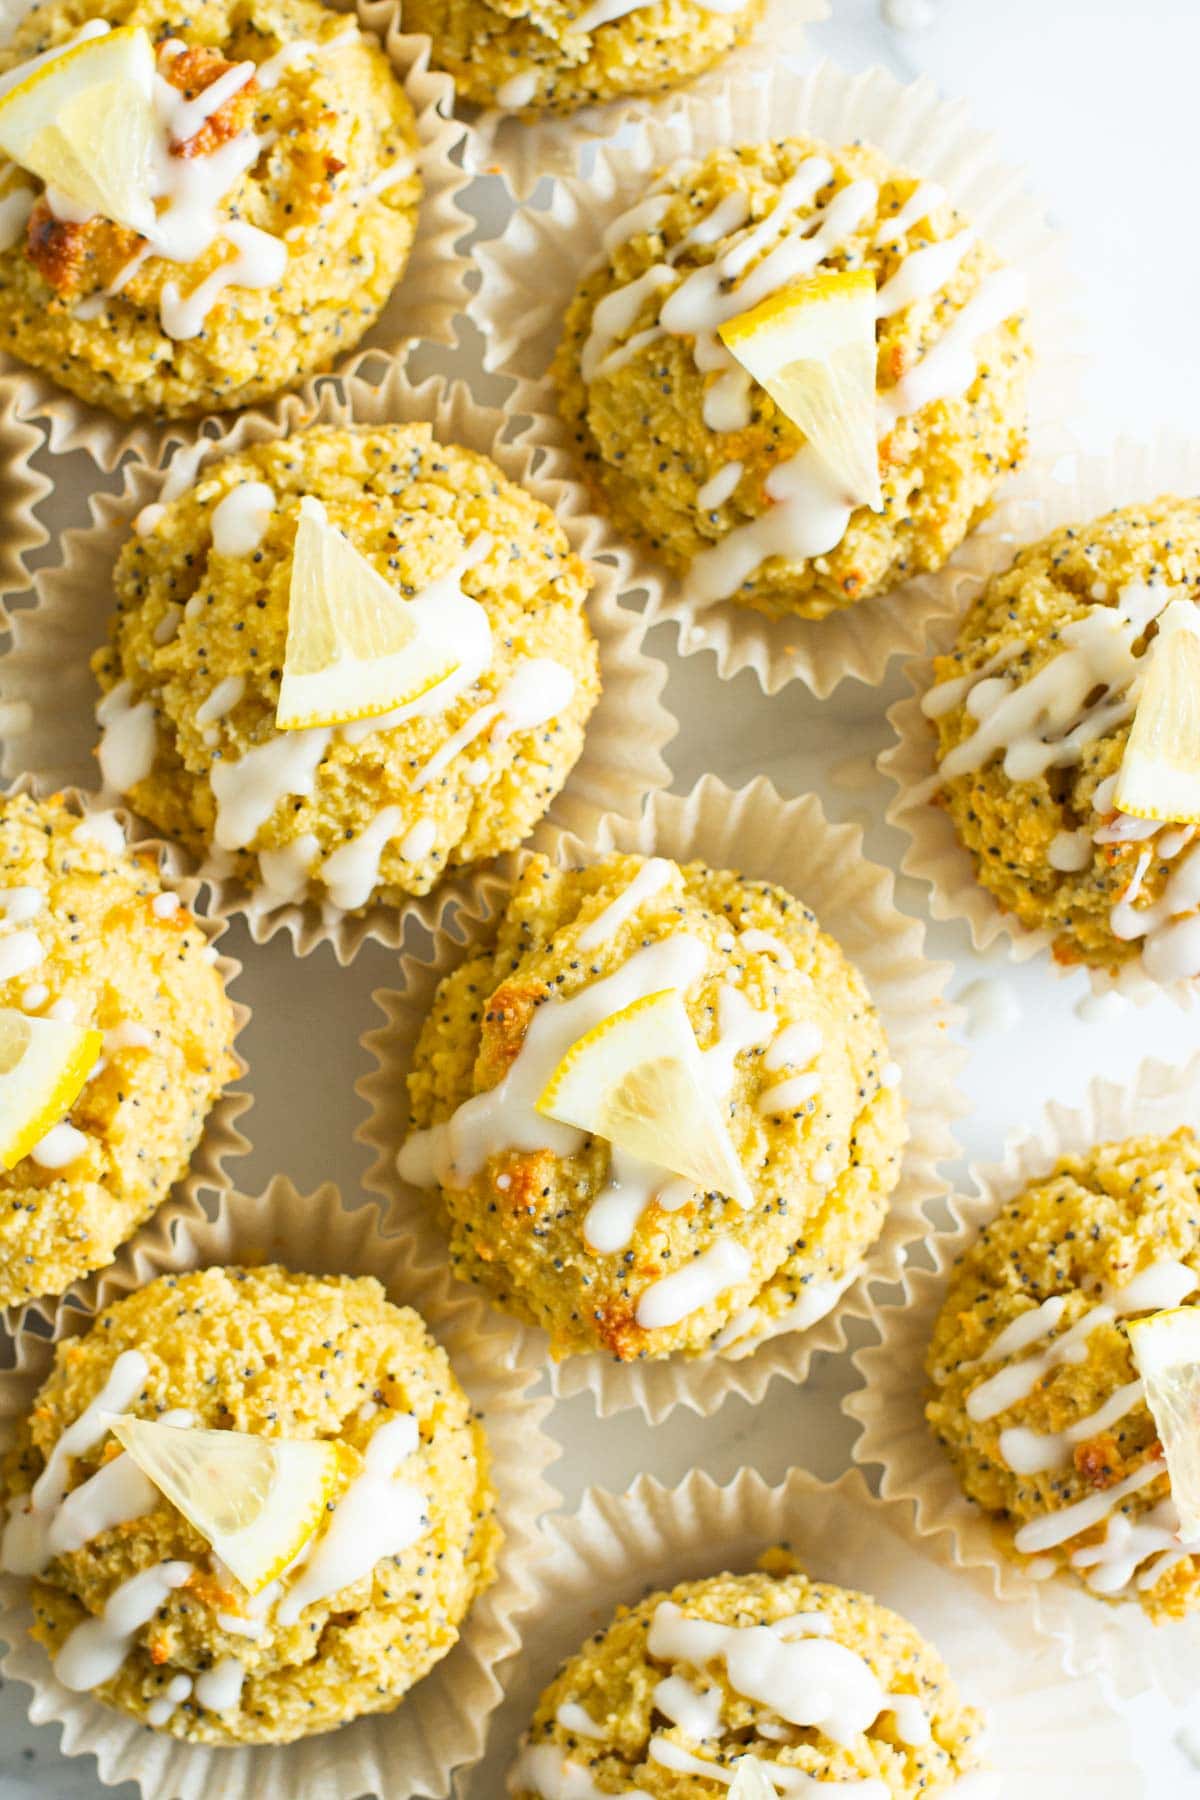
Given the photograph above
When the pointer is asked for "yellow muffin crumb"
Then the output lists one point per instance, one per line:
(545, 57)
(282, 1355)
(1020, 827)
(608, 1714)
(334, 183)
(682, 447)
(199, 636)
(1072, 1243)
(822, 1166)
(97, 939)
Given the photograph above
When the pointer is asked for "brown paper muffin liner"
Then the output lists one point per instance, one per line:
(531, 272)
(22, 489)
(789, 842)
(618, 1549)
(522, 151)
(1080, 488)
(48, 688)
(221, 1137)
(422, 307)
(441, 1723)
(1114, 1636)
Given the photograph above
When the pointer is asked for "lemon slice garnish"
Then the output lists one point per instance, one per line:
(43, 1066)
(749, 1782)
(812, 346)
(354, 645)
(1166, 1349)
(83, 122)
(1160, 771)
(257, 1500)
(638, 1080)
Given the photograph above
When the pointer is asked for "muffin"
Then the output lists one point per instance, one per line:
(285, 216)
(276, 1354)
(1032, 711)
(1034, 1393)
(378, 809)
(695, 459)
(556, 55)
(88, 934)
(625, 1257)
(808, 1679)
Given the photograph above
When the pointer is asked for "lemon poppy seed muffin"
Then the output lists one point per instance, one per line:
(90, 938)
(557, 55)
(286, 209)
(378, 808)
(695, 458)
(820, 1685)
(277, 1355)
(1035, 1394)
(1033, 709)
(630, 1253)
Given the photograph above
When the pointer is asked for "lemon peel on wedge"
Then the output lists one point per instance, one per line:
(44, 1064)
(1166, 1349)
(1160, 771)
(83, 122)
(812, 347)
(637, 1079)
(257, 1500)
(355, 647)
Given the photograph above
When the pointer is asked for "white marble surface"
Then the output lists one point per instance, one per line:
(1097, 99)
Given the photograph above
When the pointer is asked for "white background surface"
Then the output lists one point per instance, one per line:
(1097, 98)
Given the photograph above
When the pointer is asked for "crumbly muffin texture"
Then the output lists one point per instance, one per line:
(192, 622)
(1010, 825)
(282, 1355)
(637, 414)
(90, 934)
(615, 1679)
(335, 182)
(1082, 1235)
(534, 58)
(821, 1172)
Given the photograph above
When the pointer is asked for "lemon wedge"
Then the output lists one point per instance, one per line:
(354, 646)
(1160, 772)
(638, 1080)
(257, 1500)
(812, 346)
(749, 1782)
(84, 123)
(1166, 1349)
(43, 1066)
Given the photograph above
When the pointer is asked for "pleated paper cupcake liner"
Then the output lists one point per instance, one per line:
(523, 151)
(48, 693)
(1080, 488)
(440, 1724)
(422, 307)
(221, 1139)
(22, 488)
(617, 1549)
(785, 841)
(531, 272)
(1097, 1635)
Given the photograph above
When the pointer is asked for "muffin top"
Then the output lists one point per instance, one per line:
(696, 459)
(556, 55)
(351, 1626)
(280, 207)
(1033, 710)
(377, 809)
(808, 1679)
(1034, 1391)
(618, 1252)
(89, 936)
